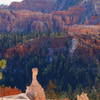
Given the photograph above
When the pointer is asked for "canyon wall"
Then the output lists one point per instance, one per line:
(23, 21)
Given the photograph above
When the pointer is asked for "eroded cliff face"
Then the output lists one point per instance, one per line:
(91, 6)
(31, 15)
(21, 16)
(22, 21)
(34, 5)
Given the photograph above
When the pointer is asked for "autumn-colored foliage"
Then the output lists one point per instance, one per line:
(5, 91)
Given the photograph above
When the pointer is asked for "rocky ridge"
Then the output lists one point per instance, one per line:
(34, 16)
(23, 21)
(89, 42)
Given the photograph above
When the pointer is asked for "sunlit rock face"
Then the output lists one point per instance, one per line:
(83, 96)
(35, 90)
(24, 17)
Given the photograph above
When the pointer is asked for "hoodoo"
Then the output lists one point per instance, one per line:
(35, 90)
(83, 96)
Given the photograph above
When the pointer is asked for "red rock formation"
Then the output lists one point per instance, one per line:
(76, 10)
(72, 15)
(28, 21)
(84, 29)
(58, 23)
(68, 20)
(21, 21)
(35, 90)
(38, 26)
(34, 5)
(5, 20)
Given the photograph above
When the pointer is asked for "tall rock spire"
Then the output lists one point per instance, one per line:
(35, 90)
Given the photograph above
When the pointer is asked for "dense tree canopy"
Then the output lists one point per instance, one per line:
(59, 71)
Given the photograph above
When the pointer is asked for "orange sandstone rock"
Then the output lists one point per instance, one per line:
(83, 96)
(35, 90)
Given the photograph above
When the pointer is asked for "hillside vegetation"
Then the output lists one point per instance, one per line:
(68, 64)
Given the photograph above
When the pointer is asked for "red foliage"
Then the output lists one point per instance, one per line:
(5, 91)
